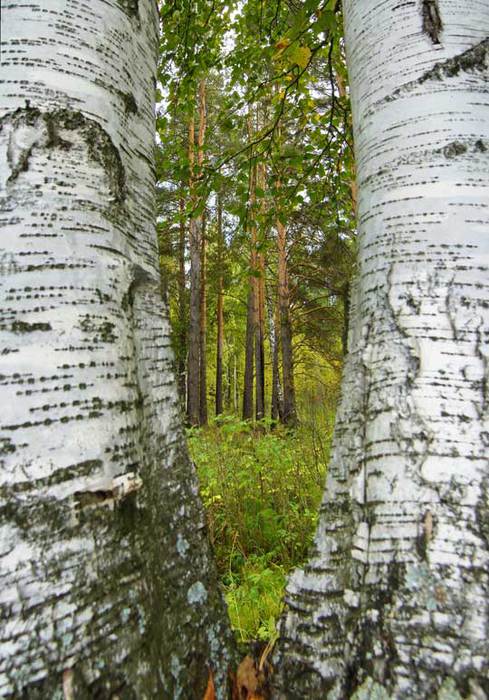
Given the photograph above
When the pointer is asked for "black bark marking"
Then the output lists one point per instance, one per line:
(130, 104)
(120, 488)
(84, 499)
(426, 534)
(86, 468)
(130, 7)
(432, 24)
(474, 59)
(23, 327)
(101, 148)
(54, 139)
(139, 277)
(456, 148)
(482, 513)
(6, 446)
(409, 3)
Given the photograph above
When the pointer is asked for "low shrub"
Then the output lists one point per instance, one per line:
(261, 489)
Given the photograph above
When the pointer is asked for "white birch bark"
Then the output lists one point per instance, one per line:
(394, 600)
(106, 583)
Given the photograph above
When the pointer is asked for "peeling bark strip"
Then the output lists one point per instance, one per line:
(432, 24)
(393, 602)
(107, 587)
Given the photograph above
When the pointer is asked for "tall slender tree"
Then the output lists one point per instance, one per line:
(195, 246)
(289, 415)
(203, 327)
(393, 601)
(220, 311)
(195, 250)
(252, 301)
(182, 301)
(276, 398)
(107, 583)
(259, 313)
(248, 375)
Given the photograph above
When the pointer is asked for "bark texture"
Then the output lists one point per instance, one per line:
(181, 353)
(106, 581)
(260, 306)
(203, 328)
(289, 416)
(252, 329)
(276, 403)
(393, 602)
(220, 312)
(249, 355)
(196, 248)
(259, 339)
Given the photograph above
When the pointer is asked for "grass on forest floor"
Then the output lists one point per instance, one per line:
(261, 489)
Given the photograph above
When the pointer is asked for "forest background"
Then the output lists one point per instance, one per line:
(256, 200)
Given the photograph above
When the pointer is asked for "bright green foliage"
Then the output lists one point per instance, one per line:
(262, 491)
(279, 66)
(255, 599)
(277, 104)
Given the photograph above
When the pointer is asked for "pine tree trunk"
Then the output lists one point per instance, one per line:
(249, 355)
(182, 307)
(276, 409)
(393, 602)
(196, 226)
(260, 310)
(235, 386)
(107, 584)
(252, 305)
(259, 314)
(203, 329)
(345, 295)
(289, 408)
(229, 386)
(219, 312)
(195, 247)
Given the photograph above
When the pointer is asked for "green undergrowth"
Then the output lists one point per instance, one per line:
(261, 489)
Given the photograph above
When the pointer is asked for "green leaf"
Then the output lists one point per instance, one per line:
(300, 55)
(325, 22)
(311, 5)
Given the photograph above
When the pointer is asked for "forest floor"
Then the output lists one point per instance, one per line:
(261, 488)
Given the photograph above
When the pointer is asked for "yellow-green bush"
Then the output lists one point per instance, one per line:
(261, 489)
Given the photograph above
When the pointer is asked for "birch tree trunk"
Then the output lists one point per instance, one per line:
(393, 602)
(106, 582)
